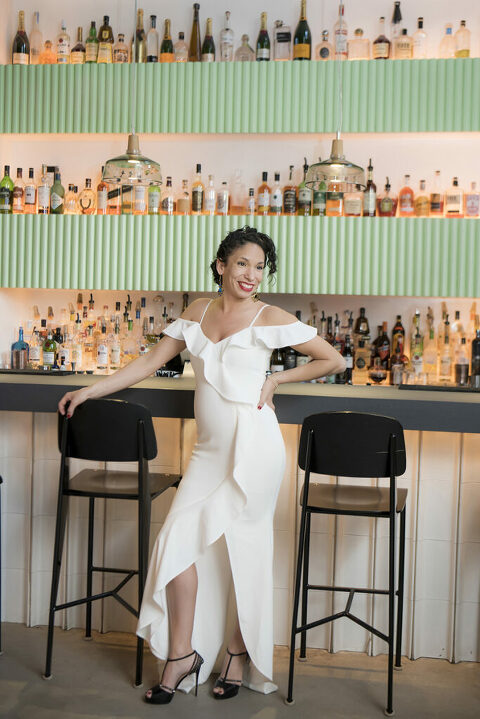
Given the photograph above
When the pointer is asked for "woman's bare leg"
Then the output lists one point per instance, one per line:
(181, 598)
(235, 645)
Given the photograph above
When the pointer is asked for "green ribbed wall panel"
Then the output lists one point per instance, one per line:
(391, 96)
(381, 256)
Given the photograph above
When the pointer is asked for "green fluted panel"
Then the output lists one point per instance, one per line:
(392, 96)
(381, 256)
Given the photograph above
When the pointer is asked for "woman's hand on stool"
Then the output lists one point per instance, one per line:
(72, 399)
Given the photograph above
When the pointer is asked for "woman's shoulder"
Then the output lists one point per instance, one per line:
(275, 316)
(195, 309)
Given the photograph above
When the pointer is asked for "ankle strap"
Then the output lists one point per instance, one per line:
(177, 659)
(236, 655)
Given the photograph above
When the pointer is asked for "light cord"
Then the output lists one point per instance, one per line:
(133, 73)
(340, 85)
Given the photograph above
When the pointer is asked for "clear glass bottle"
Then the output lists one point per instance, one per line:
(282, 41)
(154, 199)
(34, 350)
(120, 50)
(30, 193)
(57, 195)
(152, 39)
(70, 207)
(244, 53)
(48, 56)
(462, 40)
(420, 41)
(87, 199)
(381, 47)
(21, 45)
(139, 200)
(445, 365)
(334, 200)
(324, 50)
(43, 193)
(472, 201)
(223, 199)
(406, 199)
(387, 202)
(208, 45)
(422, 201)
(251, 201)
(359, 47)
(91, 44)
(263, 196)
(63, 46)
(263, 41)
(226, 40)
(353, 204)
(403, 46)
(36, 40)
(102, 196)
(454, 200)
(276, 200)
(340, 33)
(198, 193)
(238, 193)
(436, 196)
(447, 47)
(18, 194)
(210, 197)
(183, 201)
(181, 49)
(105, 42)
(370, 194)
(114, 201)
(167, 53)
(168, 201)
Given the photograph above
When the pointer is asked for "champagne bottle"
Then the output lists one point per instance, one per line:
(166, 48)
(263, 40)
(302, 41)
(140, 53)
(195, 50)
(208, 47)
(21, 46)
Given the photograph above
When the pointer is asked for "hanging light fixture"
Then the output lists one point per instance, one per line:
(132, 168)
(337, 173)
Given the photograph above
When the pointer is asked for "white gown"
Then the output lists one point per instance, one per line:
(221, 517)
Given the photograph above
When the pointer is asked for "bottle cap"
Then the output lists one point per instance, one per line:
(264, 176)
(199, 168)
(181, 35)
(277, 177)
(404, 31)
(106, 19)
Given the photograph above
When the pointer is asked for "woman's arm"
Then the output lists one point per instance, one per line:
(325, 360)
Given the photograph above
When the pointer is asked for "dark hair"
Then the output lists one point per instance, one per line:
(237, 238)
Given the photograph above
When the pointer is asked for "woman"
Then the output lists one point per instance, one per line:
(221, 519)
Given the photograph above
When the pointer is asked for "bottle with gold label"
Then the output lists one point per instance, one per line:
(462, 40)
(422, 202)
(381, 45)
(208, 47)
(263, 197)
(77, 55)
(21, 46)
(91, 44)
(105, 42)
(167, 53)
(302, 40)
(387, 202)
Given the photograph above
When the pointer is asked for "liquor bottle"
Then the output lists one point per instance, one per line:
(49, 351)
(472, 202)
(86, 200)
(304, 194)
(462, 40)
(396, 20)
(223, 199)
(319, 203)
(36, 40)
(457, 331)
(208, 46)
(168, 201)
(345, 377)
(381, 46)
(277, 360)
(251, 201)
(403, 46)
(263, 40)
(120, 50)
(6, 192)
(340, 33)
(18, 194)
(183, 201)
(447, 47)
(43, 193)
(151, 42)
(422, 201)
(338, 340)
(359, 47)
(180, 49)
(290, 358)
(78, 54)
(302, 40)
(198, 192)
(430, 355)
(370, 194)
(383, 347)
(105, 42)
(420, 41)
(101, 350)
(140, 52)
(454, 200)
(276, 200)
(226, 40)
(154, 199)
(167, 53)
(195, 50)
(63, 46)
(324, 50)
(282, 41)
(290, 196)
(461, 364)
(362, 328)
(239, 193)
(436, 197)
(416, 345)
(21, 46)
(334, 200)
(139, 200)
(70, 203)
(263, 196)
(210, 197)
(475, 364)
(245, 53)
(102, 196)
(361, 363)
(19, 353)
(34, 349)
(353, 203)
(91, 44)
(48, 56)
(30, 194)
(387, 203)
(445, 361)
(406, 199)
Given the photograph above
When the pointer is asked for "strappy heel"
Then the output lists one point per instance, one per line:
(161, 694)
(230, 687)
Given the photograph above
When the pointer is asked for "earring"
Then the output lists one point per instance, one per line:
(220, 287)
(255, 296)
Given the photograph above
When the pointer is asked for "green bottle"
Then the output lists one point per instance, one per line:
(208, 47)
(304, 194)
(49, 349)
(263, 40)
(91, 44)
(57, 194)
(302, 40)
(6, 193)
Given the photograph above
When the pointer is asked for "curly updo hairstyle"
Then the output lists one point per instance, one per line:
(237, 238)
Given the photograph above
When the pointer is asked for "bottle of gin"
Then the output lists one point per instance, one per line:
(244, 53)
(223, 199)
(210, 197)
(70, 203)
(43, 193)
(420, 48)
(447, 47)
(454, 200)
(472, 201)
(276, 200)
(19, 355)
(198, 192)
(226, 40)
(86, 200)
(403, 46)
(154, 199)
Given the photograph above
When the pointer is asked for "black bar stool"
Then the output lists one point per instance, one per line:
(1, 482)
(351, 444)
(106, 430)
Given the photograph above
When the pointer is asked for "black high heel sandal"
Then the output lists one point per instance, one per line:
(231, 687)
(161, 694)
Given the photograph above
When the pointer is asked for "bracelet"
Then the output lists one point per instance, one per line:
(275, 383)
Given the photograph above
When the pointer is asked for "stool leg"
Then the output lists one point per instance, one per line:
(144, 511)
(1, 651)
(88, 606)
(306, 556)
(391, 615)
(296, 601)
(62, 511)
(401, 582)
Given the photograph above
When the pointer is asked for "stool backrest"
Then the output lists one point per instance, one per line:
(106, 430)
(352, 444)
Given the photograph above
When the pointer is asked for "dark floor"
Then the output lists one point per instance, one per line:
(94, 679)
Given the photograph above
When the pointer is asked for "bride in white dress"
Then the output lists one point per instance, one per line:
(220, 524)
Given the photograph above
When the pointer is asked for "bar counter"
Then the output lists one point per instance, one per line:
(427, 410)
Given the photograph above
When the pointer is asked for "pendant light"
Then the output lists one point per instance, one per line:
(132, 168)
(337, 173)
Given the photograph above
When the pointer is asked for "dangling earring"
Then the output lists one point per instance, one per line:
(220, 287)
(255, 296)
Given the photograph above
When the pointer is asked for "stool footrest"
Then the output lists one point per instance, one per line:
(347, 589)
(102, 595)
(114, 570)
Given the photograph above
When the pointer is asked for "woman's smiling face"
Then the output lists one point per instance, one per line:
(243, 270)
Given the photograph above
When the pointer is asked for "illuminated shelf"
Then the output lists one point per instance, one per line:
(317, 255)
(243, 97)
